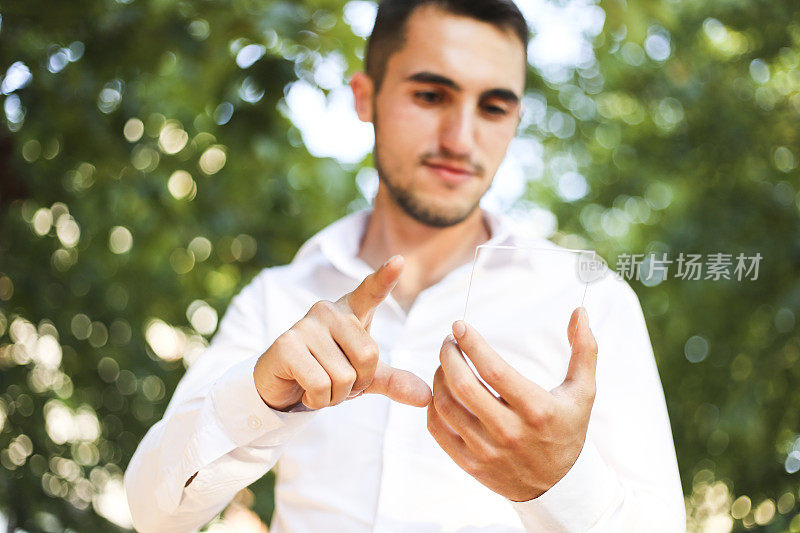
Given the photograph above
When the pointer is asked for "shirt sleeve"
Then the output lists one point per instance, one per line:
(216, 432)
(626, 476)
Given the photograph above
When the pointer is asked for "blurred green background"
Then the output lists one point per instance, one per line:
(154, 156)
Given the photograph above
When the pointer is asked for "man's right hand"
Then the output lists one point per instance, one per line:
(328, 356)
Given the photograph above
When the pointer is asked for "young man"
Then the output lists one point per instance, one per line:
(428, 448)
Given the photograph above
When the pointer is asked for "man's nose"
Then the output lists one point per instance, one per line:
(457, 135)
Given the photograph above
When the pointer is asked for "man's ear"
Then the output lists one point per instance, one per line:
(363, 94)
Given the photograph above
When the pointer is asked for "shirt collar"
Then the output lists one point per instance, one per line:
(339, 242)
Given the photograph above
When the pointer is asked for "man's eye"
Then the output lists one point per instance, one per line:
(495, 110)
(429, 97)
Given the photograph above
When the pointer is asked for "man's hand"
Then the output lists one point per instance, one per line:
(521, 444)
(328, 356)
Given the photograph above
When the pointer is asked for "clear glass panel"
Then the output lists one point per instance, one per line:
(520, 300)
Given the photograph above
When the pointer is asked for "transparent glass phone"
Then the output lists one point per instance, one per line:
(509, 285)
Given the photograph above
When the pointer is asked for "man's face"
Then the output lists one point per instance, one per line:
(445, 113)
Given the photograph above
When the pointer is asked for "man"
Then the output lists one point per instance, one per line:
(360, 393)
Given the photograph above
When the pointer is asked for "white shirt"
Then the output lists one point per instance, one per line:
(369, 464)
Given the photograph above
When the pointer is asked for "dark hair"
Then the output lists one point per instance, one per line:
(389, 32)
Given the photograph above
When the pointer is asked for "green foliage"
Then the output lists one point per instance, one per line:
(162, 74)
(149, 172)
(698, 154)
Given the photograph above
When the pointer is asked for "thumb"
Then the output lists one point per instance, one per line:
(399, 385)
(583, 362)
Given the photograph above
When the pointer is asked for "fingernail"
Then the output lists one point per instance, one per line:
(390, 260)
(449, 338)
(459, 328)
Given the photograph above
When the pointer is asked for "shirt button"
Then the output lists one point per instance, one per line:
(253, 422)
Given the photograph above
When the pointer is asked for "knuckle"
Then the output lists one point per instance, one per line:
(316, 403)
(366, 353)
(488, 453)
(463, 389)
(323, 308)
(319, 388)
(508, 437)
(533, 415)
(372, 289)
(370, 351)
(346, 375)
(357, 300)
(493, 374)
(287, 341)
(302, 327)
(549, 413)
(472, 466)
(542, 415)
(278, 344)
(442, 403)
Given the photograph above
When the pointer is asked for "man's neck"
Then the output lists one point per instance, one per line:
(430, 253)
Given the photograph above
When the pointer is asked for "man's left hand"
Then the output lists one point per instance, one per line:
(523, 443)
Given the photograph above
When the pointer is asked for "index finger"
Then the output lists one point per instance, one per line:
(513, 387)
(363, 300)
(467, 388)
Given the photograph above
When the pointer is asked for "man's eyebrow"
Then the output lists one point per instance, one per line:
(503, 94)
(437, 79)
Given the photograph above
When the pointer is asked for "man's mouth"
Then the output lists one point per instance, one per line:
(449, 172)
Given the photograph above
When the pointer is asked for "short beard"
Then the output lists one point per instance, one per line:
(411, 204)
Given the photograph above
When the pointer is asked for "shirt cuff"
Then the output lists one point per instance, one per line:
(245, 417)
(588, 491)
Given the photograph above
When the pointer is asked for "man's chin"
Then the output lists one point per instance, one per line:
(436, 208)
(436, 216)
